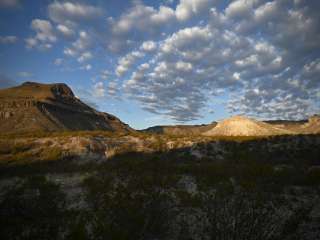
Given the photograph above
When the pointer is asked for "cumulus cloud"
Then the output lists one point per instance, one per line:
(65, 30)
(44, 36)
(152, 22)
(99, 90)
(240, 8)
(143, 18)
(85, 57)
(189, 8)
(113, 88)
(126, 62)
(271, 76)
(87, 67)
(80, 48)
(149, 22)
(8, 39)
(260, 57)
(148, 46)
(62, 12)
(104, 75)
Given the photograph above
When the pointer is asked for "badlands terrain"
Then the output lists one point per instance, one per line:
(68, 171)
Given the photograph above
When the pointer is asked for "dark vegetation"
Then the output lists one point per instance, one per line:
(32, 209)
(143, 200)
(167, 194)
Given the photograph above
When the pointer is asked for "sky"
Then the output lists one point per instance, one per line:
(169, 61)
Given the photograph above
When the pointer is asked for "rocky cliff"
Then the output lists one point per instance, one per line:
(50, 107)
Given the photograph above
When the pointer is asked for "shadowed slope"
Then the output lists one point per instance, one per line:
(50, 107)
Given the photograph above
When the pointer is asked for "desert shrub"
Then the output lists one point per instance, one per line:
(230, 214)
(5, 147)
(313, 176)
(32, 210)
(289, 229)
(11, 147)
(51, 154)
(129, 206)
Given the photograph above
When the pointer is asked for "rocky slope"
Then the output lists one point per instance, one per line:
(34, 107)
(243, 126)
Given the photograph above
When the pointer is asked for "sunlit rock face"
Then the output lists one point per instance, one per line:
(50, 107)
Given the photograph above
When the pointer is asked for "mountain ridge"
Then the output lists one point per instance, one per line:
(51, 107)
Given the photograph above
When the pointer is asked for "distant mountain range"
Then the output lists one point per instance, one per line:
(242, 126)
(34, 107)
(180, 130)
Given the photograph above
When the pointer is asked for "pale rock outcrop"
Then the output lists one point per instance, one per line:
(243, 126)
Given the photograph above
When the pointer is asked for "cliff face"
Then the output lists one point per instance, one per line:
(50, 107)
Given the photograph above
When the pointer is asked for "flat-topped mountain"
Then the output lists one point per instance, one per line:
(243, 126)
(50, 107)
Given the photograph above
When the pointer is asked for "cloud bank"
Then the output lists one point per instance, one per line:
(259, 58)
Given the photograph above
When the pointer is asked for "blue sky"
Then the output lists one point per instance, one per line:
(170, 61)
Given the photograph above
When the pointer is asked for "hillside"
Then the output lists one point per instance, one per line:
(243, 126)
(180, 130)
(50, 107)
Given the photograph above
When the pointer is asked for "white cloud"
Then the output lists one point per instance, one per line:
(126, 62)
(104, 75)
(240, 8)
(44, 37)
(214, 58)
(31, 42)
(113, 88)
(188, 8)
(65, 31)
(87, 67)
(69, 52)
(236, 75)
(163, 15)
(183, 66)
(58, 61)
(44, 30)
(99, 90)
(8, 39)
(80, 48)
(61, 12)
(85, 57)
(174, 61)
(148, 46)
(143, 18)
(83, 41)
(266, 11)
